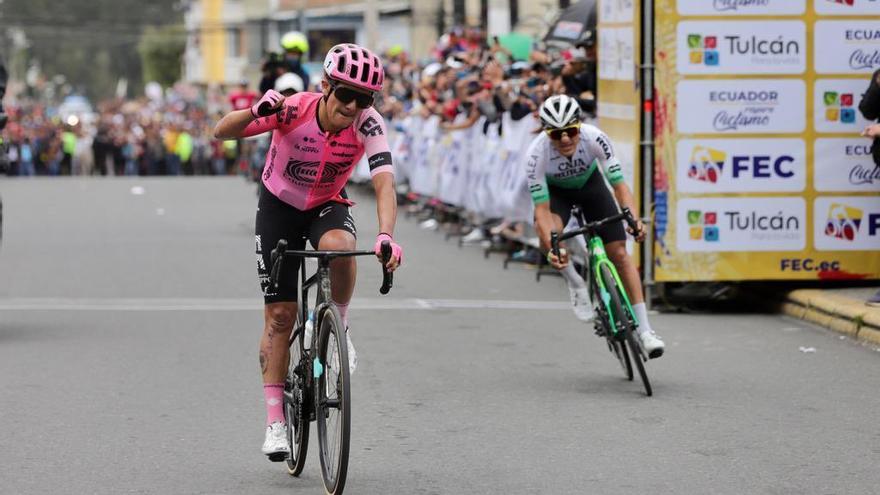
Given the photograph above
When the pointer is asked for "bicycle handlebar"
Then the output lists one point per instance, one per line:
(387, 276)
(625, 214)
(281, 251)
(277, 259)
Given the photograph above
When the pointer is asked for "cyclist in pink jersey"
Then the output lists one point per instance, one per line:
(317, 140)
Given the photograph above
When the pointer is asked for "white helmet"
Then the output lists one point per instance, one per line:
(288, 81)
(560, 111)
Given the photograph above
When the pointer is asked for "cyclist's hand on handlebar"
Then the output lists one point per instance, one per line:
(559, 262)
(640, 233)
(396, 251)
(272, 102)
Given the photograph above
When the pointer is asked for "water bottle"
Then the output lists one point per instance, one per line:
(309, 328)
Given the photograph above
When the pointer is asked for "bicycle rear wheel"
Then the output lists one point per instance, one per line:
(297, 406)
(626, 326)
(333, 400)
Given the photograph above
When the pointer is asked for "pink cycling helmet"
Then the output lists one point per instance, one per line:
(355, 65)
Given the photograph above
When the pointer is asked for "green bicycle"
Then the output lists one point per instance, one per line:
(615, 319)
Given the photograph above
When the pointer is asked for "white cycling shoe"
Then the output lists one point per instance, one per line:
(580, 303)
(652, 344)
(275, 446)
(352, 356)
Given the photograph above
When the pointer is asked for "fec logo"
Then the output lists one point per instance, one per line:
(839, 107)
(703, 50)
(843, 221)
(703, 225)
(706, 164)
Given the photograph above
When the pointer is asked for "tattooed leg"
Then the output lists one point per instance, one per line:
(274, 350)
(264, 362)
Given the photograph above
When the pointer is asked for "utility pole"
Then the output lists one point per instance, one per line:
(371, 24)
(302, 20)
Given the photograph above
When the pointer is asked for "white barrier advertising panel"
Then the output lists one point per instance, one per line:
(616, 11)
(741, 224)
(847, 47)
(616, 60)
(741, 165)
(853, 169)
(735, 47)
(741, 7)
(847, 7)
(836, 103)
(846, 223)
(739, 106)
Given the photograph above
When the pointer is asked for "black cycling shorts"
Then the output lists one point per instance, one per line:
(279, 220)
(595, 200)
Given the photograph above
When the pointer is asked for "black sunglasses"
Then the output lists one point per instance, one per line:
(346, 96)
(571, 131)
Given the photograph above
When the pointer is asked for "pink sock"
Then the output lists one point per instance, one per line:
(343, 312)
(274, 411)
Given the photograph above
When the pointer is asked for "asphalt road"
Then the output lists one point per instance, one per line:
(129, 327)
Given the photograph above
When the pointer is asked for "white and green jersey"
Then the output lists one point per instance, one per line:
(547, 167)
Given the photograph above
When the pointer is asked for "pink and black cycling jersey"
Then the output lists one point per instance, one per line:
(307, 167)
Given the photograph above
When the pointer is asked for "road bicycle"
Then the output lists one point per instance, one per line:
(317, 387)
(615, 319)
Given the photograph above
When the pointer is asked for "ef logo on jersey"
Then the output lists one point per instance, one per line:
(370, 127)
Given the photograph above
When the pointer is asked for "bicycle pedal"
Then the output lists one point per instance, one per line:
(278, 457)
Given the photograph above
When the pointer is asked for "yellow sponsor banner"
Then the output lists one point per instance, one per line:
(760, 172)
(619, 101)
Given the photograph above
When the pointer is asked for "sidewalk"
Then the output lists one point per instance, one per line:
(842, 310)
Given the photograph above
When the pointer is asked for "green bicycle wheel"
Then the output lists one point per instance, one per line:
(626, 326)
(619, 350)
(603, 328)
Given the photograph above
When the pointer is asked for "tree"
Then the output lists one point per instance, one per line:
(161, 51)
(93, 43)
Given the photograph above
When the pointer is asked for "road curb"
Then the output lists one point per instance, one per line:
(846, 315)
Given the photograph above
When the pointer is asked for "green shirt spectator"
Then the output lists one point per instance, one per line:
(184, 146)
(68, 140)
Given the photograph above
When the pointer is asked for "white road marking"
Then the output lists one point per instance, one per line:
(255, 304)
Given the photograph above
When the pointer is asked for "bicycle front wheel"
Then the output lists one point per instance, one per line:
(619, 350)
(602, 325)
(333, 400)
(296, 406)
(629, 337)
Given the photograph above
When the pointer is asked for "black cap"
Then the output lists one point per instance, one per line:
(587, 39)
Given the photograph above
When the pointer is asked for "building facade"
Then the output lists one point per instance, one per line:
(228, 39)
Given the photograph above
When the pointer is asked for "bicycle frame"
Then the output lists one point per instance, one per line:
(321, 278)
(596, 258)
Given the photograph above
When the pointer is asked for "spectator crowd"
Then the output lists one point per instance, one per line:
(170, 135)
(466, 77)
(470, 76)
